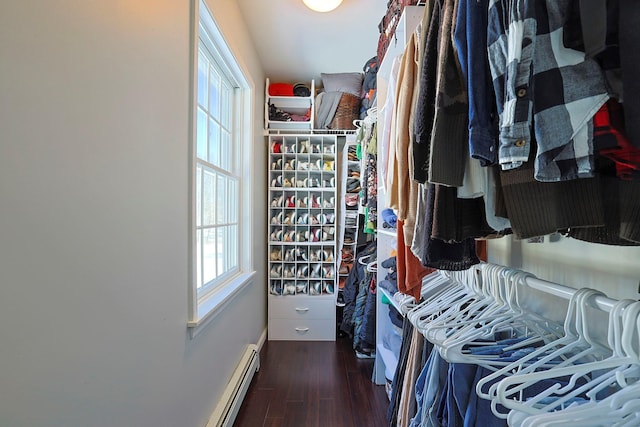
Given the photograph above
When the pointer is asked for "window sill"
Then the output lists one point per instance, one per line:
(212, 305)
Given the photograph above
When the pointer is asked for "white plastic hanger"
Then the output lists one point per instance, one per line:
(510, 321)
(602, 373)
(547, 353)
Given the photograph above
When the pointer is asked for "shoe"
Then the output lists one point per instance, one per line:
(345, 268)
(301, 254)
(288, 255)
(276, 271)
(340, 300)
(277, 202)
(315, 235)
(289, 272)
(276, 255)
(289, 288)
(276, 220)
(327, 288)
(303, 166)
(303, 272)
(328, 272)
(277, 165)
(276, 288)
(290, 165)
(316, 271)
(301, 288)
(353, 186)
(276, 147)
(365, 355)
(276, 236)
(327, 255)
(315, 288)
(290, 148)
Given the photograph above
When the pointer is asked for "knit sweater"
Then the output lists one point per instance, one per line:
(438, 253)
(405, 192)
(539, 208)
(425, 104)
(449, 137)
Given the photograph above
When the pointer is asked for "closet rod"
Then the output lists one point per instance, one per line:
(603, 303)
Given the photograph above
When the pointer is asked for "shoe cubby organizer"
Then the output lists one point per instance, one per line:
(302, 236)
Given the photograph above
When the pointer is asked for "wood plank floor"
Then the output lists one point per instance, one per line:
(313, 383)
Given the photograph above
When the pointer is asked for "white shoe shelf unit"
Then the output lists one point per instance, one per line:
(296, 105)
(302, 237)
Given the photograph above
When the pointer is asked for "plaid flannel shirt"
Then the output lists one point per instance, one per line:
(539, 84)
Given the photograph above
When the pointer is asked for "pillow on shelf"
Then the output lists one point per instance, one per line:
(343, 82)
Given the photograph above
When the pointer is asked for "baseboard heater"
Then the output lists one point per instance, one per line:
(229, 405)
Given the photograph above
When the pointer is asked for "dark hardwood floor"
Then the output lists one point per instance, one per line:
(313, 383)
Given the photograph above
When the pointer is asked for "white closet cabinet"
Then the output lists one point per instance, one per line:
(386, 360)
(302, 237)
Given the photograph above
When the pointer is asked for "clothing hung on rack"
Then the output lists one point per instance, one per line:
(494, 361)
(512, 132)
(358, 316)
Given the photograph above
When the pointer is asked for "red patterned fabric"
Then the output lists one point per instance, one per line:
(611, 141)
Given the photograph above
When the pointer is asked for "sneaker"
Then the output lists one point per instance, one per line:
(365, 355)
(340, 301)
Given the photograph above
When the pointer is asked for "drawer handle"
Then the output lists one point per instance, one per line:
(302, 330)
(302, 309)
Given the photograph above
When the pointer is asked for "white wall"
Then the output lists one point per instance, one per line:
(93, 219)
(614, 270)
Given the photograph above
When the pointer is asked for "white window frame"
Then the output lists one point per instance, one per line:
(204, 306)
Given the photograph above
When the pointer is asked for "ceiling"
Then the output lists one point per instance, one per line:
(296, 44)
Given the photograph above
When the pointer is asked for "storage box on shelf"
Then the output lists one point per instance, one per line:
(298, 106)
(302, 237)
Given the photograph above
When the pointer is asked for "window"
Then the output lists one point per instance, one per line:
(220, 112)
(217, 175)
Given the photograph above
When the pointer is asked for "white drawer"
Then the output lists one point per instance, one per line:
(302, 307)
(302, 329)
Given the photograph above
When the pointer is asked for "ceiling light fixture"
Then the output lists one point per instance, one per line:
(322, 5)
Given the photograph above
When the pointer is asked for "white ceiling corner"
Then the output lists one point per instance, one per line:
(296, 44)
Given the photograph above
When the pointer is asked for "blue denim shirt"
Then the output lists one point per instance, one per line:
(470, 38)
